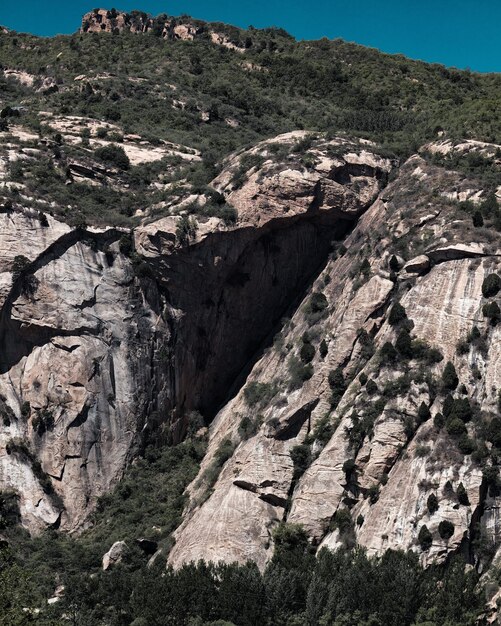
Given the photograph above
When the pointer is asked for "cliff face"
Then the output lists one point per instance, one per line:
(354, 461)
(96, 353)
(312, 334)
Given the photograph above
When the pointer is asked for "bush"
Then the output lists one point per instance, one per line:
(186, 229)
(491, 285)
(19, 265)
(432, 503)
(337, 384)
(299, 372)
(423, 412)
(256, 393)
(363, 379)
(388, 354)
(450, 379)
(456, 427)
(323, 349)
(492, 312)
(307, 352)
(462, 495)
(316, 308)
(301, 459)
(403, 344)
(465, 444)
(477, 219)
(397, 314)
(446, 529)
(349, 467)
(113, 155)
(425, 538)
(439, 421)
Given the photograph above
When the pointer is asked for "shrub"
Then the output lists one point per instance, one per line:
(394, 265)
(439, 421)
(307, 352)
(113, 155)
(491, 285)
(19, 265)
(423, 412)
(323, 349)
(462, 495)
(256, 393)
(492, 312)
(299, 372)
(349, 467)
(186, 229)
(337, 385)
(397, 314)
(477, 219)
(425, 538)
(461, 408)
(388, 354)
(465, 444)
(446, 529)
(456, 427)
(403, 344)
(315, 308)
(432, 503)
(301, 458)
(363, 379)
(248, 427)
(450, 379)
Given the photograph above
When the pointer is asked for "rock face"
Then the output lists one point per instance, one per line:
(114, 555)
(112, 21)
(375, 452)
(325, 402)
(95, 354)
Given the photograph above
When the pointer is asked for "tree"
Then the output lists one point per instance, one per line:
(113, 155)
(432, 503)
(492, 312)
(462, 495)
(425, 538)
(388, 353)
(394, 264)
(323, 349)
(446, 529)
(307, 352)
(491, 285)
(477, 219)
(186, 229)
(450, 379)
(337, 385)
(397, 314)
(423, 412)
(403, 344)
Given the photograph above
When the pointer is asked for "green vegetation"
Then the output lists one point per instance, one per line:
(450, 379)
(491, 285)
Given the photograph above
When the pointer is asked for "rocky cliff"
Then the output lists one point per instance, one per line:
(99, 349)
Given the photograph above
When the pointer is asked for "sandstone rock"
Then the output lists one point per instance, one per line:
(114, 555)
(418, 265)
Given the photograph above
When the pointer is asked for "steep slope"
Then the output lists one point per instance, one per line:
(100, 349)
(376, 450)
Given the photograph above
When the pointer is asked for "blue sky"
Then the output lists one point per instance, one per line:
(460, 33)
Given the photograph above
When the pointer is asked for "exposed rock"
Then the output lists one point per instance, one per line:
(418, 265)
(114, 555)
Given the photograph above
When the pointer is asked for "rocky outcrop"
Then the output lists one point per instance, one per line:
(97, 351)
(114, 555)
(112, 21)
(373, 456)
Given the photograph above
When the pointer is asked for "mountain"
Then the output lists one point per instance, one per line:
(249, 315)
